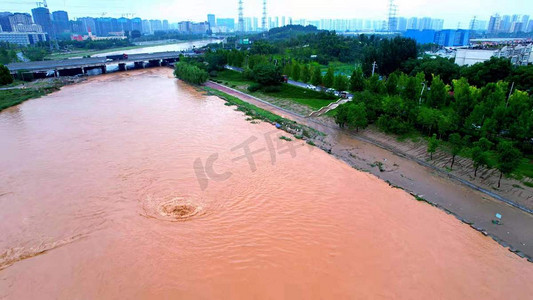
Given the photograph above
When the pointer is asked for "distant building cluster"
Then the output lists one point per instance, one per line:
(25, 29)
(510, 24)
(252, 24)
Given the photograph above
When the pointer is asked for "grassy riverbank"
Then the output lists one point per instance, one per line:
(256, 113)
(14, 97)
(312, 99)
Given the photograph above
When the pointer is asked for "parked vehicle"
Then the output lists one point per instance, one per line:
(344, 94)
(311, 87)
(284, 78)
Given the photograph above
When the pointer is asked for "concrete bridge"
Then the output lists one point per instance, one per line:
(80, 66)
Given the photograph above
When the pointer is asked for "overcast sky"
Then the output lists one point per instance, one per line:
(452, 11)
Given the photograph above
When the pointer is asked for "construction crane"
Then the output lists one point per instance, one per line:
(43, 3)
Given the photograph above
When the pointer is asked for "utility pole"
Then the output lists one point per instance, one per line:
(510, 93)
(374, 65)
(422, 92)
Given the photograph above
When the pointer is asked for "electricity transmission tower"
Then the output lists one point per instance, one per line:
(393, 9)
(264, 21)
(241, 17)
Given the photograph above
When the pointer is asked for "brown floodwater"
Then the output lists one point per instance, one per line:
(134, 185)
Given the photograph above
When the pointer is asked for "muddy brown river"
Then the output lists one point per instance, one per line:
(137, 186)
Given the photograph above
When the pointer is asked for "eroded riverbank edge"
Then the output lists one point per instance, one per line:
(516, 246)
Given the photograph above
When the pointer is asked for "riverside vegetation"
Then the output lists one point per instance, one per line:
(480, 111)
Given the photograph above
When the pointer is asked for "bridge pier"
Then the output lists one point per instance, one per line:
(156, 62)
(103, 69)
(122, 67)
(139, 64)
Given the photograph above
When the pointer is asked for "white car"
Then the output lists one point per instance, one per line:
(311, 87)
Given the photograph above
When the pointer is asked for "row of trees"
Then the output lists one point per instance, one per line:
(190, 73)
(484, 120)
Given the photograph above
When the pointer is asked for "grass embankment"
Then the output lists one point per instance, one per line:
(312, 99)
(255, 113)
(13, 97)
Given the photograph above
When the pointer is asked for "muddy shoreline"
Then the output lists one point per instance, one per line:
(471, 206)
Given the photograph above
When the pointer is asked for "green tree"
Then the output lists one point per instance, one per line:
(5, 76)
(457, 144)
(190, 73)
(357, 116)
(509, 159)
(437, 95)
(267, 74)
(480, 155)
(392, 84)
(316, 78)
(341, 83)
(375, 85)
(357, 81)
(329, 79)
(306, 74)
(433, 144)
(342, 115)
(296, 71)
(287, 69)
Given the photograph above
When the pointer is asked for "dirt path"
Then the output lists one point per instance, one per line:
(467, 204)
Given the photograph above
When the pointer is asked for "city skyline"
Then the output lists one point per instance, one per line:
(454, 12)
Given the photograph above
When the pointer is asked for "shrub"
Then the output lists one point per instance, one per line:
(254, 87)
(5, 76)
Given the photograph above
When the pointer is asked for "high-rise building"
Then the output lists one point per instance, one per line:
(494, 24)
(147, 27)
(402, 24)
(60, 21)
(505, 23)
(247, 24)
(124, 24)
(255, 25)
(88, 24)
(412, 23)
(211, 20)
(137, 24)
(165, 25)
(228, 23)
(41, 16)
(4, 21)
(283, 21)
